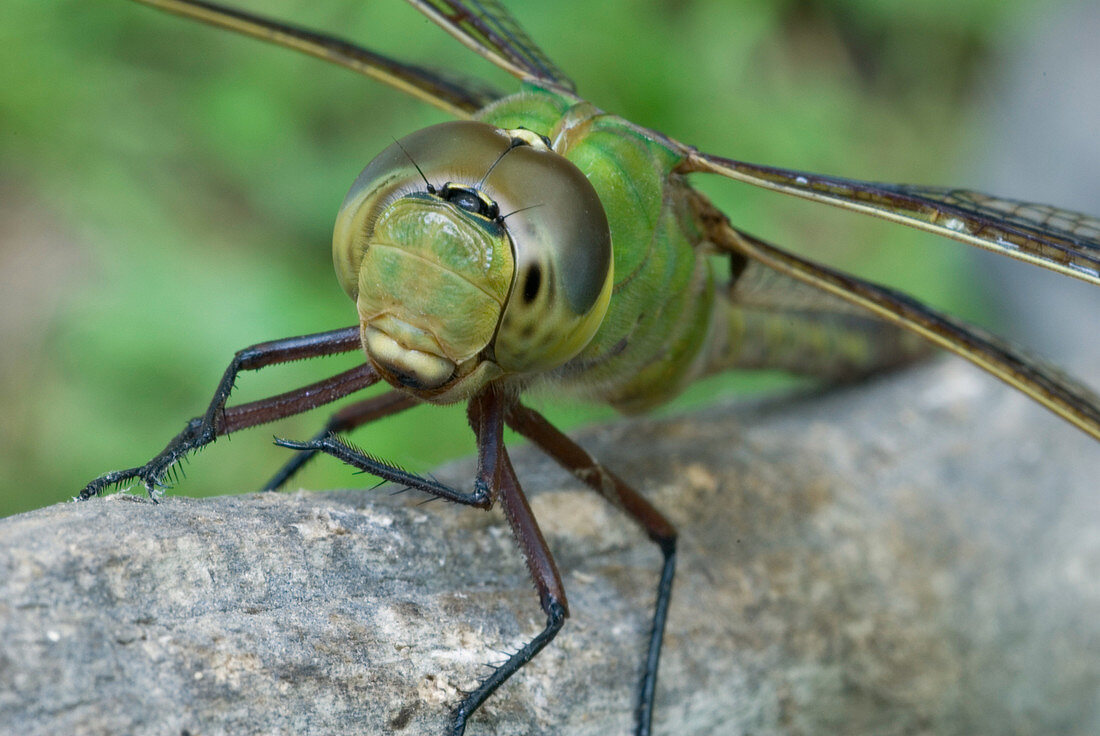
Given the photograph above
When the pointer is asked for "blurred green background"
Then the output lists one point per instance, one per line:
(167, 190)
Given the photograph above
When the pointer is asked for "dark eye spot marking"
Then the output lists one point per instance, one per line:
(531, 284)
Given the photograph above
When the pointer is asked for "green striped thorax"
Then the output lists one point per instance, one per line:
(472, 253)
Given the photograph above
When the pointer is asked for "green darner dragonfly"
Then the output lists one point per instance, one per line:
(576, 255)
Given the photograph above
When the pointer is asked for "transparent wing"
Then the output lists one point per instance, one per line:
(757, 285)
(487, 28)
(1063, 241)
(1040, 380)
(459, 98)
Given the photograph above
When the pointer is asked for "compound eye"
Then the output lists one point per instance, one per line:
(563, 256)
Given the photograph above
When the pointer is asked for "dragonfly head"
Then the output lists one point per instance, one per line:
(472, 253)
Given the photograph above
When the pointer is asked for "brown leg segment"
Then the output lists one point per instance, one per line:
(296, 401)
(218, 420)
(573, 458)
(486, 415)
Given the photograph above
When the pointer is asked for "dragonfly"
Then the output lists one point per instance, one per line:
(538, 242)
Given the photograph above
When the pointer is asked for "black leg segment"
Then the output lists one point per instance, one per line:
(345, 420)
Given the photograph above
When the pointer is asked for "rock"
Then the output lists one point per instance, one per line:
(920, 554)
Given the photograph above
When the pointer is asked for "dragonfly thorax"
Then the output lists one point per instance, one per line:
(472, 253)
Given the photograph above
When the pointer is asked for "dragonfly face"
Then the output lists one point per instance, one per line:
(472, 252)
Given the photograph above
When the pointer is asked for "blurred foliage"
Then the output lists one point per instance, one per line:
(167, 191)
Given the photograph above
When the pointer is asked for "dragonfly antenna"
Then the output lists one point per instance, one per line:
(431, 188)
(515, 143)
(521, 209)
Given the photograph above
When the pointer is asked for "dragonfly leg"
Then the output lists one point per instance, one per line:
(660, 530)
(486, 416)
(219, 420)
(345, 420)
(495, 476)
(494, 466)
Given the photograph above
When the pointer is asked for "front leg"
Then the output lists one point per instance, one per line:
(219, 420)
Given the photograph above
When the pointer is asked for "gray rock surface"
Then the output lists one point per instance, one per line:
(916, 555)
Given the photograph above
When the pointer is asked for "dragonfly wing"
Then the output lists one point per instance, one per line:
(1063, 241)
(1040, 380)
(759, 286)
(487, 28)
(459, 98)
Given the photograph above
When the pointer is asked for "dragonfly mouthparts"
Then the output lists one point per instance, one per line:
(406, 366)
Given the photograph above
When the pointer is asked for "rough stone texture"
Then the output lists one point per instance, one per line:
(916, 555)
